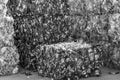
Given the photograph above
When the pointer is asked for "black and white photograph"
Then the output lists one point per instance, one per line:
(59, 39)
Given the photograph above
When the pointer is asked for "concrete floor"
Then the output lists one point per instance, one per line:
(34, 76)
(105, 75)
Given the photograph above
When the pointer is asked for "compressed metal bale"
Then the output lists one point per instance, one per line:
(9, 57)
(65, 59)
(107, 26)
(38, 22)
(9, 61)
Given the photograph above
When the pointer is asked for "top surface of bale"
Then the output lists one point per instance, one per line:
(71, 45)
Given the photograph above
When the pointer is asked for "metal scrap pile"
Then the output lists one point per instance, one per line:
(9, 57)
(46, 22)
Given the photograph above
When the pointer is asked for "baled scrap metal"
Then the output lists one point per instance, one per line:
(38, 22)
(9, 61)
(9, 57)
(64, 59)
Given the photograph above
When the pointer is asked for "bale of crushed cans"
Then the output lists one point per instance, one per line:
(66, 60)
(9, 56)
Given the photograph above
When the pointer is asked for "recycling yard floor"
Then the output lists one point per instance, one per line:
(34, 76)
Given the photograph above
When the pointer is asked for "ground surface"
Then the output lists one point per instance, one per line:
(34, 76)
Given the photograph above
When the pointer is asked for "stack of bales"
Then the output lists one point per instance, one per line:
(46, 22)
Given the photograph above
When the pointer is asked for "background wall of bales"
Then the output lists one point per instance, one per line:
(9, 56)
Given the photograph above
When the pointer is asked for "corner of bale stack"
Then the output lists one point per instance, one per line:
(9, 57)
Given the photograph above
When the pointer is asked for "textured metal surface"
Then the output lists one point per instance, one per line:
(9, 57)
(39, 22)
